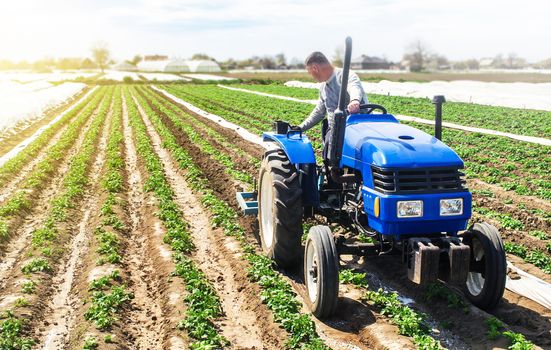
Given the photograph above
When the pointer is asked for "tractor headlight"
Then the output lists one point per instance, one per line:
(410, 209)
(451, 206)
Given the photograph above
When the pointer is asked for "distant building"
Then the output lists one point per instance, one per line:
(369, 62)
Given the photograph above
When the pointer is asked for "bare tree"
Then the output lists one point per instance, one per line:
(202, 56)
(513, 61)
(230, 63)
(546, 64)
(100, 54)
(436, 62)
(134, 61)
(338, 57)
(296, 63)
(417, 54)
(280, 59)
(267, 62)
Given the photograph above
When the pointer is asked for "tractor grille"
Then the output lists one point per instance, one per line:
(428, 180)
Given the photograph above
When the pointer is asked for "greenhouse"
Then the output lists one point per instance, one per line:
(178, 66)
(203, 66)
(125, 66)
(171, 66)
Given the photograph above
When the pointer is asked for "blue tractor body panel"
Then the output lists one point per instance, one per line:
(388, 222)
(296, 145)
(301, 154)
(381, 141)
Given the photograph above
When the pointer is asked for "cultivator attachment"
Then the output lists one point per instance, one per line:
(442, 258)
(247, 202)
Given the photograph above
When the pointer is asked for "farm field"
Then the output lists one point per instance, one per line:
(25, 104)
(119, 229)
(400, 76)
(516, 120)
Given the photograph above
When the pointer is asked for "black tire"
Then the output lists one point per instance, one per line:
(324, 274)
(281, 235)
(488, 267)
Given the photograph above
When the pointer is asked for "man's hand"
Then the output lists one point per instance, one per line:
(295, 128)
(354, 106)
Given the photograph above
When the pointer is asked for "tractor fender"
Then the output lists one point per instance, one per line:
(296, 146)
(300, 153)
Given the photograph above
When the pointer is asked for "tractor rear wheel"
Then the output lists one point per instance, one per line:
(321, 271)
(280, 209)
(487, 268)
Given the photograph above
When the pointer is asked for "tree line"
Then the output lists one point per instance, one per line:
(417, 58)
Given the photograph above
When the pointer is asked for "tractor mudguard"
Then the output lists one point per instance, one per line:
(297, 146)
(300, 153)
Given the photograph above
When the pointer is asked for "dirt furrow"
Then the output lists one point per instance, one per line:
(512, 304)
(515, 310)
(247, 324)
(348, 331)
(468, 322)
(499, 202)
(253, 150)
(223, 141)
(530, 212)
(40, 208)
(157, 305)
(355, 327)
(60, 312)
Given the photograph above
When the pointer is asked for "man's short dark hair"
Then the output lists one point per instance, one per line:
(316, 57)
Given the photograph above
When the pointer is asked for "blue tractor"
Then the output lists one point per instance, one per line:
(400, 187)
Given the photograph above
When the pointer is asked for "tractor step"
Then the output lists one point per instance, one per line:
(247, 202)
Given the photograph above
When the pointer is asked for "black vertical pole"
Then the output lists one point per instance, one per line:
(334, 153)
(438, 100)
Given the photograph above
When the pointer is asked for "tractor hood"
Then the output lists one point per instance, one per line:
(382, 141)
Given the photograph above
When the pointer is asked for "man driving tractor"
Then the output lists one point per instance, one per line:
(323, 71)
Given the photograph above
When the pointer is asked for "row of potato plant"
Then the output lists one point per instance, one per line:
(46, 245)
(199, 123)
(20, 200)
(277, 293)
(203, 306)
(15, 164)
(516, 166)
(108, 293)
(204, 94)
(516, 120)
(419, 332)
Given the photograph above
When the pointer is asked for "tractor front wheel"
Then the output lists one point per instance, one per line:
(487, 268)
(321, 271)
(280, 209)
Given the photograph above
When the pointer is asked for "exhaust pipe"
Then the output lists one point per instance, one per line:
(334, 153)
(438, 100)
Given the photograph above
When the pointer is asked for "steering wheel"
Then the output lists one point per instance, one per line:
(372, 107)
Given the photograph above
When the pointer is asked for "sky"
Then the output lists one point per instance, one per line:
(238, 29)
